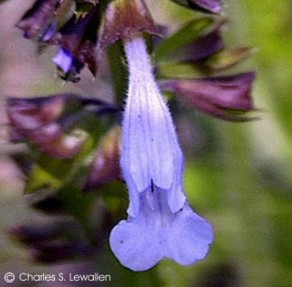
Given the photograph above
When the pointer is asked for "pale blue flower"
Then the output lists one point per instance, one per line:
(161, 223)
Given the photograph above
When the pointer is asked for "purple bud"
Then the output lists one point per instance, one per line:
(123, 19)
(32, 113)
(78, 44)
(204, 46)
(194, 42)
(40, 22)
(37, 120)
(105, 167)
(67, 145)
(226, 97)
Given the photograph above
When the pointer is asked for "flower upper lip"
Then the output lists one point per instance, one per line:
(150, 149)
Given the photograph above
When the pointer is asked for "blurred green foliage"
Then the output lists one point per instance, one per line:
(248, 178)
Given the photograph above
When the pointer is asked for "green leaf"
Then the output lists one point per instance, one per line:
(53, 173)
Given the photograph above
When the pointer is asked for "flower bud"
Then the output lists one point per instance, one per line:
(48, 123)
(106, 167)
(124, 18)
(225, 97)
(67, 145)
(41, 21)
(45, 134)
(208, 42)
(32, 113)
(195, 40)
(79, 38)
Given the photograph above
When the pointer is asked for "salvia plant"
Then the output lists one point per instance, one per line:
(84, 151)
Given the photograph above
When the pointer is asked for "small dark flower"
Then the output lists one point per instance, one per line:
(226, 97)
(33, 113)
(196, 40)
(41, 21)
(48, 122)
(207, 44)
(198, 48)
(78, 45)
(68, 65)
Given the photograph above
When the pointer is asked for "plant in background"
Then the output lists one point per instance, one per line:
(79, 144)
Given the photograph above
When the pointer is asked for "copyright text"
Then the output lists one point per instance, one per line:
(10, 277)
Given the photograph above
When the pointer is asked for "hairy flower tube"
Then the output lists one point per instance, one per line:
(160, 223)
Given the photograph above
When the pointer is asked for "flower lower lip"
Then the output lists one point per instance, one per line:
(157, 233)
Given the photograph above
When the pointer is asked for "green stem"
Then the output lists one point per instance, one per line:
(118, 71)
